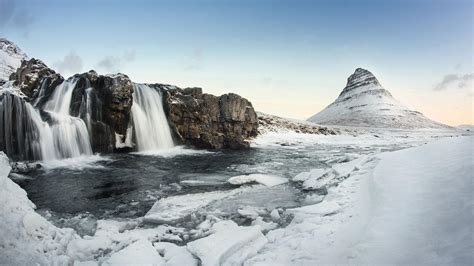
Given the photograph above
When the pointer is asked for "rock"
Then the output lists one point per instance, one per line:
(32, 75)
(106, 101)
(270, 123)
(210, 122)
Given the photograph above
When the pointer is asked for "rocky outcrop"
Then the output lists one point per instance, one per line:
(33, 75)
(207, 121)
(270, 123)
(103, 102)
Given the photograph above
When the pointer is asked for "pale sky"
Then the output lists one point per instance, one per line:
(289, 58)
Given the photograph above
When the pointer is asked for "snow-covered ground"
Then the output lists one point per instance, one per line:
(415, 207)
(409, 206)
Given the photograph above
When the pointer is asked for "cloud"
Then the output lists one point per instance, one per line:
(454, 80)
(71, 64)
(116, 63)
(16, 17)
(195, 60)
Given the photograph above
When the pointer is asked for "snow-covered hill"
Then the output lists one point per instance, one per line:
(365, 103)
(466, 127)
(10, 58)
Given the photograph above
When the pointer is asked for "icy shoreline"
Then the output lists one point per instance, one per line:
(344, 226)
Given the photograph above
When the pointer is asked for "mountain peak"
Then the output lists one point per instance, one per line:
(10, 58)
(365, 103)
(361, 77)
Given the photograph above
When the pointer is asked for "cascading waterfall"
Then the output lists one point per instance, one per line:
(152, 131)
(71, 138)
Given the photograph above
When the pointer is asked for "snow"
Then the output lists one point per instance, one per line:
(10, 58)
(267, 180)
(26, 237)
(112, 236)
(175, 208)
(175, 255)
(140, 252)
(364, 102)
(407, 207)
(230, 244)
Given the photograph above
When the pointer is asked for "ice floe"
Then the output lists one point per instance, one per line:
(229, 244)
(267, 180)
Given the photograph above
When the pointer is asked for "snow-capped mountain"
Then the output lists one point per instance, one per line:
(10, 58)
(365, 103)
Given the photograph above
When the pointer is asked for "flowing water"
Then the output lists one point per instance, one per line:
(152, 131)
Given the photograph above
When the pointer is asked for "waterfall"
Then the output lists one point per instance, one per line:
(23, 133)
(152, 131)
(71, 138)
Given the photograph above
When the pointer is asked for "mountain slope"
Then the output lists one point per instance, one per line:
(10, 58)
(365, 103)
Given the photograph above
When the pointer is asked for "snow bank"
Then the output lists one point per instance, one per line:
(26, 237)
(230, 244)
(175, 255)
(413, 207)
(317, 179)
(112, 236)
(175, 208)
(267, 180)
(140, 252)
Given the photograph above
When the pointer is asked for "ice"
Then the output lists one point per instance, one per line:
(230, 244)
(175, 208)
(318, 180)
(113, 236)
(275, 215)
(26, 237)
(140, 252)
(175, 255)
(323, 208)
(267, 180)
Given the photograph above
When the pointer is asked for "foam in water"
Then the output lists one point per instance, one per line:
(152, 131)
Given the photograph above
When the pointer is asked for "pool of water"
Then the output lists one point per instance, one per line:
(119, 186)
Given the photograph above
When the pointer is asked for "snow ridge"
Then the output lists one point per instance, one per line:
(10, 58)
(365, 103)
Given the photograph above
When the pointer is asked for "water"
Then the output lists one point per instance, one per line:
(70, 135)
(152, 131)
(127, 185)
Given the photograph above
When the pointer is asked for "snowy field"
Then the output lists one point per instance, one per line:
(386, 204)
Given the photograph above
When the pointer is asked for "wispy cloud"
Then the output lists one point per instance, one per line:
(16, 17)
(455, 81)
(70, 64)
(116, 63)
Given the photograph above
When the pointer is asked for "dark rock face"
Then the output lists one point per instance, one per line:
(360, 77)
(104, 103)
(32, 75)
(211, 122)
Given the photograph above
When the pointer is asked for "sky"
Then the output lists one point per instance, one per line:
(289, 58)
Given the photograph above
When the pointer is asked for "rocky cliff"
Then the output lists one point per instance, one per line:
(208, 121)
(104, 103)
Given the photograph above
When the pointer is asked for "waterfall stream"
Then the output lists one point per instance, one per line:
(71, 138)
(152, 131)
